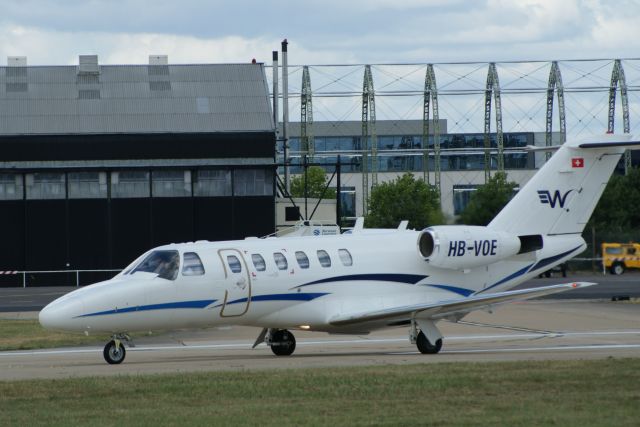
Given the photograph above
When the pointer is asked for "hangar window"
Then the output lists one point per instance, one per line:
(10, 186)
(303, 259)
(258, 262)
(171, 183)
(192, 266)
(324, 258)
(49, 185)
(87, 185)
(253, 182)
(234, 264)
(130, 184)
(281, 261)
(212, 182)
(345, 257)
(164, 263)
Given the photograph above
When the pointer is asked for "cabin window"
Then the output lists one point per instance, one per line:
(281, 261)
(234, 263)
(324, 258)
(164, 263)
(258, 262)
(192, 265)
(345, 257)
(303, 260)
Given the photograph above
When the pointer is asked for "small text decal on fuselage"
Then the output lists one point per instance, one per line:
(479, 248)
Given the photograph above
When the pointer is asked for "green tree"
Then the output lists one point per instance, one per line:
(317, 181)
(488, 200)
(618, 209)
(404, 199)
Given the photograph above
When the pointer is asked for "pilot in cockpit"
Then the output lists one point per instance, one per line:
(168, 266)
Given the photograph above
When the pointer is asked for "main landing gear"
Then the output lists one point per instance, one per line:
(114, 352)
(281, 341)
(425, 346)
(426, 336)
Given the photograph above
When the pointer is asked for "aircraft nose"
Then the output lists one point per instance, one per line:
(61, 314)
(48, 317)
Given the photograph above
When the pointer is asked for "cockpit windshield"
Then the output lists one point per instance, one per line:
(164, 263)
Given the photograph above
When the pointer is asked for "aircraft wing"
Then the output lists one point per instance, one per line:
(447, 308)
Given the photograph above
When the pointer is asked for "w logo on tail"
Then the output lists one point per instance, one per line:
(552, 200)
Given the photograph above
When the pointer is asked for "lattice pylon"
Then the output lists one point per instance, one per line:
(618, 79)
(555, 85)
(431, 99)
(492, 87)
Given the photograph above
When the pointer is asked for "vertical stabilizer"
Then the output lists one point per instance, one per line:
(561, 197)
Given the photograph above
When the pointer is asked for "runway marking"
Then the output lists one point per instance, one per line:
(247, 344)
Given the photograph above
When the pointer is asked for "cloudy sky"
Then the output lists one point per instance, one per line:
(320, 32)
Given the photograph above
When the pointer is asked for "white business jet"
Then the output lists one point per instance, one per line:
(358, 282)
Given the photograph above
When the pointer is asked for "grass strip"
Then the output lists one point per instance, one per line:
(28, 335)
(561, 393)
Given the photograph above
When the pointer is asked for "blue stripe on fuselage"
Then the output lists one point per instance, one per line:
(546, 261)
(279, 297)
(410, 279)
(509, 277)
(162, 306)
(461, 291)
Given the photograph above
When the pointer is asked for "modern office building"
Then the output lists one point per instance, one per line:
(400, 149)
(99, 163)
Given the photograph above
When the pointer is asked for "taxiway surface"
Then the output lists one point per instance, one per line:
(533, 330)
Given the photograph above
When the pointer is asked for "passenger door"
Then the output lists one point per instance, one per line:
(237, 282)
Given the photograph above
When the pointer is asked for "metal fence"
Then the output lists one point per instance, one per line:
(54, 277)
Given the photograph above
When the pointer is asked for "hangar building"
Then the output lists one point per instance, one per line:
(99, 163)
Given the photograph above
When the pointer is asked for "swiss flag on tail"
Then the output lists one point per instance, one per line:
(577, 162)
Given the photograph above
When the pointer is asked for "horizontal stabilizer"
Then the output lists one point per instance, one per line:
(630, 145)
(447, 308)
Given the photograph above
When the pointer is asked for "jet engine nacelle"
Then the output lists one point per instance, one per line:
(461, 247)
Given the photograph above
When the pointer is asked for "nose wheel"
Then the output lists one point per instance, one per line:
(114, 352)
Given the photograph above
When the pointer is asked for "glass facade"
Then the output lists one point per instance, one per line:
(409, 158)
(461, 196)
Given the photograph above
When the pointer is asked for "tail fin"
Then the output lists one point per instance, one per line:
(562, 195)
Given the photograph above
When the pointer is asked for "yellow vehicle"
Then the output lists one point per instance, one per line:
(617, 257)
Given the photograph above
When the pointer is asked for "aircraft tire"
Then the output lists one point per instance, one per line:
(283, 343)
(425, 346)
(113, 355)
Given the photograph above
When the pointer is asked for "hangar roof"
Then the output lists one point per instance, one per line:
(202, 98)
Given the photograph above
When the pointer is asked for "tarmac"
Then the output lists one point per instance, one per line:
(531, 330)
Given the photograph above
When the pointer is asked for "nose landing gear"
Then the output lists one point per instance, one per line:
(114, 352)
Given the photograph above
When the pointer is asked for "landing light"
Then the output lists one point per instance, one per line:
(305, 327)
